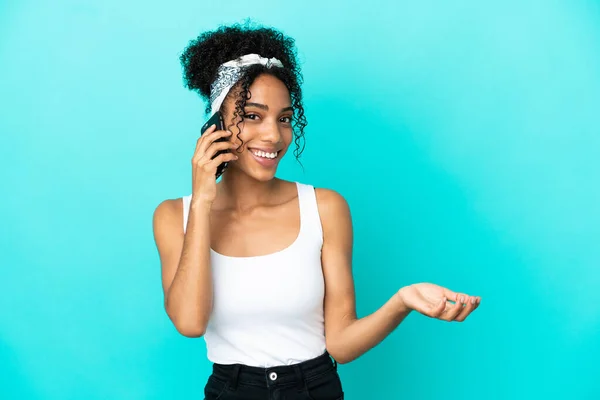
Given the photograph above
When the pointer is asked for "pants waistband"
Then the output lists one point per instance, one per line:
(277, 375)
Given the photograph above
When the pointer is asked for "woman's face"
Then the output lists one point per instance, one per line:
(266, 128)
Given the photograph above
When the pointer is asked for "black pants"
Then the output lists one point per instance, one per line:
(315, 379)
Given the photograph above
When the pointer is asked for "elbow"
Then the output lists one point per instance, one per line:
(188, 327)
(340, 356)
(341, 360)
(190, 330)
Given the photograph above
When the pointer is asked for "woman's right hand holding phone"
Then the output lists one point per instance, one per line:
(204, 167)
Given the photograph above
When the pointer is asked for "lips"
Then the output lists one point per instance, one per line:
(265, 162)
(264, 150)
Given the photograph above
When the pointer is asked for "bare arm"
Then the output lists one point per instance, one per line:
(185, 258)
(185, 264)
(347, 336)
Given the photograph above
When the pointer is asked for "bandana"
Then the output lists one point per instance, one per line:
(230, 72)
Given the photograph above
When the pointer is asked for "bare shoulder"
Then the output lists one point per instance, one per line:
(331, 203)
(167, 225)
(168, 212)
(334, 212)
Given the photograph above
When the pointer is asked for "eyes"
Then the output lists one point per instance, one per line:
(254, 117)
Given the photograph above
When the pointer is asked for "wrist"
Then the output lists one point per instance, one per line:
(400, 303)
(200, 205)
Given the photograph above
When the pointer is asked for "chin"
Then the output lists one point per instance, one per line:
(258, 174)
(263, 176)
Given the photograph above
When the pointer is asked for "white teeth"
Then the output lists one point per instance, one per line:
(264, 155)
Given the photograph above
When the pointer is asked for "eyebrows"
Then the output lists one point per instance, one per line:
(266, 107)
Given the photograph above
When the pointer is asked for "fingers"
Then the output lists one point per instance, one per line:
(450, 294)
(221, 158)
(459, 311)
(208, 137)
(203, 135)
(212, 136)
(438, 309)
(472, 303)
(452, 311)
(214, 148)
(454, 306)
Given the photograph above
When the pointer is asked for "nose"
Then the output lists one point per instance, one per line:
(270, 132)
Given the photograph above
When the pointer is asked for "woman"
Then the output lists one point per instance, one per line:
(260, 266)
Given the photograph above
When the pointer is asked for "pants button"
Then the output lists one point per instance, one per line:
(273, 376)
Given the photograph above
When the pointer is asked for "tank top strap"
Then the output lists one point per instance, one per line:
(186, 210)
(309, 212)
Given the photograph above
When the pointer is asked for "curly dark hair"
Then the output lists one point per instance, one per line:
(203, 55)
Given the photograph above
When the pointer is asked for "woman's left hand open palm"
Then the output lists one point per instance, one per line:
(432, 300)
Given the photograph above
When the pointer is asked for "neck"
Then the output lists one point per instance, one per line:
(239, 192)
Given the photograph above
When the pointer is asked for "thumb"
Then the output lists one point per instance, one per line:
(439, 308)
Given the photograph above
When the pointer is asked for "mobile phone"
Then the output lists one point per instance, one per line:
(217, 119)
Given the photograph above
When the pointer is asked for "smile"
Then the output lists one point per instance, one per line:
(266, 159)
(264, 154)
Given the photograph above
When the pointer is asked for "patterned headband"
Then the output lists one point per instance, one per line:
(230, 72)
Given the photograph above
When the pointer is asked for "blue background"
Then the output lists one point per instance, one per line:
(464, 134)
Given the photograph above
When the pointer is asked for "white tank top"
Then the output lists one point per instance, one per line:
(268, 310)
